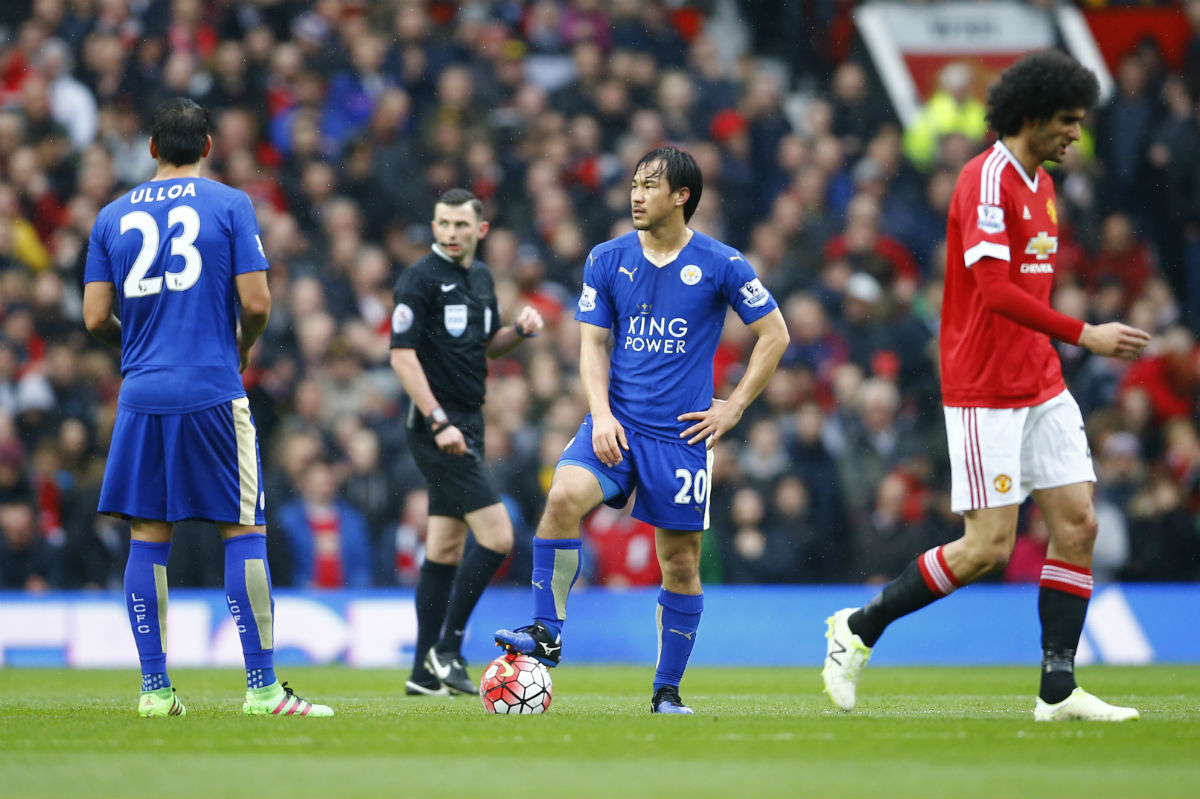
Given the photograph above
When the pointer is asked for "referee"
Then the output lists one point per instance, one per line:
(445, 321)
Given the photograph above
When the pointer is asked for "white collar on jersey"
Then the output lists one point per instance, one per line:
(439, 252)
(1032, 184)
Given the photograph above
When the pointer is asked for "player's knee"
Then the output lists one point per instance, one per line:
(565, 505)
(680, 568)
(1077, 533)
(502, 541)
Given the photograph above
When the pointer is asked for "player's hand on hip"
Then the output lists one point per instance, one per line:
(713, 423)
(451, 441)
(608, 439)
(1114, 339)
(529, 322)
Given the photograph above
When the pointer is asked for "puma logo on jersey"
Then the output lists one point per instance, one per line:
(736, 258)
(625, 271)
(681, 632)
(538, 584)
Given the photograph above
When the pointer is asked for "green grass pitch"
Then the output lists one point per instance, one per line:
(929, 732)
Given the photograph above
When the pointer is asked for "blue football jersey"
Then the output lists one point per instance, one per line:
(172, 248)
(666, 323)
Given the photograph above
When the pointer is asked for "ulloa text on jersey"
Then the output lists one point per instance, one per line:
(647, 333)
(154, 194)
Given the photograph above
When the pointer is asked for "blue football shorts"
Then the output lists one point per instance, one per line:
(171, 467)
(671, 478)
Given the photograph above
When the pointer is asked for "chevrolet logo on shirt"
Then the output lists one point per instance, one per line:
(1042, 246)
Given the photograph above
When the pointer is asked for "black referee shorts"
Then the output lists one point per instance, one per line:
(458, 484)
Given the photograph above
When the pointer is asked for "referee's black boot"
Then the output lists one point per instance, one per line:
(451, 669)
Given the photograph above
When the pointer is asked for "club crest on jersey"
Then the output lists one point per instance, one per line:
(690, 275)
(456, 319)
(587, 298)
(754, 293)
(991, 219)
(1042, 245)
(402, 319)
(1052, 211)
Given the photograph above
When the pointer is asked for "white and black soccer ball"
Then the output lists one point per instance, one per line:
(516, 684)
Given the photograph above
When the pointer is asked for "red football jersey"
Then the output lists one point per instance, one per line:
(989, 361)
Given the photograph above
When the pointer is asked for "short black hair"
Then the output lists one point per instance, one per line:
(1036, 88)
(461, 197)
(179, 129)
(680, 170)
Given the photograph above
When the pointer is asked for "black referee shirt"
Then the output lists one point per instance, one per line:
(448, 315)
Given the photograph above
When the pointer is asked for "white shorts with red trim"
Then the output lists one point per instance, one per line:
(998, 456)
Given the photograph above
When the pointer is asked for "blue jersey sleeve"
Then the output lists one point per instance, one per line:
(248, 253)
(98, 268)
(744, 292)
(595, 300)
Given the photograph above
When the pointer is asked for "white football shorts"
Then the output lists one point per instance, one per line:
(998, 456)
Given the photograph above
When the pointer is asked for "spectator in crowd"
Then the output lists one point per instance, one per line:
(327, 538)
(952, 109)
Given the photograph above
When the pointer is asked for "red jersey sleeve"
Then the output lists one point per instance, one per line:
(1000, 295)
(982, 214)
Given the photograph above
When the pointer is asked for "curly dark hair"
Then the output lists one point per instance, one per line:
(1036, 88)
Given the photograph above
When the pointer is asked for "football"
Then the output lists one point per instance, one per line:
(515, 684)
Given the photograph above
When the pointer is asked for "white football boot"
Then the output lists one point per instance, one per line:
(845, 656)
(1082, 706)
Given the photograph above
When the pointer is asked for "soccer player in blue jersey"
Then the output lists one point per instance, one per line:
(651, 311)
(176, 278)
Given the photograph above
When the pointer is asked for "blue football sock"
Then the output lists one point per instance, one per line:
(556, 565)
(146, 600)
(248, 593)
(678, 620)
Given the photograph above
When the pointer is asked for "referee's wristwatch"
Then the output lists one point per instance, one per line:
(437, 420)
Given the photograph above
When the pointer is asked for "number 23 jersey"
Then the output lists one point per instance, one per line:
(171, 249)
(666, 323)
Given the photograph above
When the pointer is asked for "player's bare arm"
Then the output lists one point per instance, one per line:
(608, 436)
(98, 316)
(1114, 339)
(412, 376)
(255, 296)
(723, 415)
(529, 323)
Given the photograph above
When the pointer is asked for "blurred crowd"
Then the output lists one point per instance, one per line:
(344, 119)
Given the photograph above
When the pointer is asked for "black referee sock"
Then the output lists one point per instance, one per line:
(433, 592)
(1062, 615)
(474, 573)
(901, 596)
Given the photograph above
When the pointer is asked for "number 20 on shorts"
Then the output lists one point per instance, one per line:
(694, 488)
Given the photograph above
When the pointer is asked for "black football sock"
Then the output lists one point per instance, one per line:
(1063, 598)
(925, 580)
(474, 574)
(433, 593)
